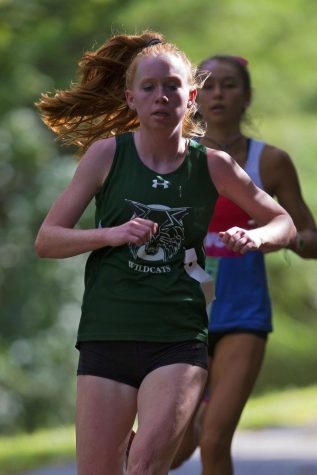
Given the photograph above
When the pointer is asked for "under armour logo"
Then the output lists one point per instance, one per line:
(159, 181)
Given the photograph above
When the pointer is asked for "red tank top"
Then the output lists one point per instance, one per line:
(226, 215)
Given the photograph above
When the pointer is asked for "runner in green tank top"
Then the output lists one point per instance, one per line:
(142, 333)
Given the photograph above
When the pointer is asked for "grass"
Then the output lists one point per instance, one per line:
(29, 451)
(288, 408)
(293, 407)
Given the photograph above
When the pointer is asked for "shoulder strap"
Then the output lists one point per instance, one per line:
(252, 166)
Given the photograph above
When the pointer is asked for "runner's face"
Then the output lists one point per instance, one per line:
(160, 92)
(223, 98)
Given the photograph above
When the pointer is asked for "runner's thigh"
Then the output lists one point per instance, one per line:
(105, 414)
(233, 371)
(167, 399)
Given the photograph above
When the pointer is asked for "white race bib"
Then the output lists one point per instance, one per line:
(196, 272)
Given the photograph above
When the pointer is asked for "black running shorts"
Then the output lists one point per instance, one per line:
(130, 361)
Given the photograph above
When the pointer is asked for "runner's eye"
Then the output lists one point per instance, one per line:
(172, 86)
(229, 85)
(207, 86)
(148, 87)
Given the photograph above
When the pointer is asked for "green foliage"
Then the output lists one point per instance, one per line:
(291, 357)
(41, 42)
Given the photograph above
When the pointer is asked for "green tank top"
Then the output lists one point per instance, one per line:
(143, 292)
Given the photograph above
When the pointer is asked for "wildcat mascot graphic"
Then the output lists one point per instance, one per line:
(170, 234)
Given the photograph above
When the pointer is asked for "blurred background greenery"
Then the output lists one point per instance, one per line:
(41, 42)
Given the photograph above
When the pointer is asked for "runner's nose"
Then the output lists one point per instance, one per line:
(162, 96)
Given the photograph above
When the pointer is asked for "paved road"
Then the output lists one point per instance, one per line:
(267, 452)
